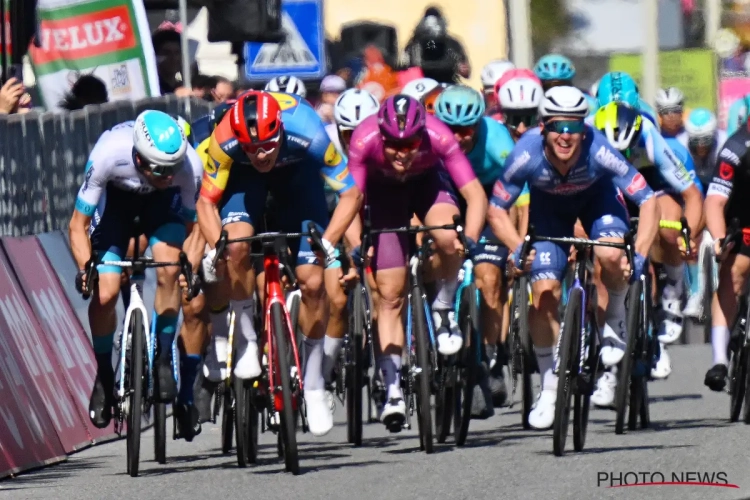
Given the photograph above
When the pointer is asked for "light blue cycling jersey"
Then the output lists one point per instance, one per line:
(683, 154)
(737, 114)
(652, 150)
(648, 112)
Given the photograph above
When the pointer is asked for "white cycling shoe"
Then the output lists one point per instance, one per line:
(663, 367)
(248, 364)
(694, 306)
(613, 347)
(449, 337)
(604, 395)
(319, 416)
(542, 415)
(671, 326)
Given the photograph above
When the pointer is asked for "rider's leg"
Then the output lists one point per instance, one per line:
(669, 253)
(337, 322)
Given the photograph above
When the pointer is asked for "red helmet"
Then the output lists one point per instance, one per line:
(255, 119)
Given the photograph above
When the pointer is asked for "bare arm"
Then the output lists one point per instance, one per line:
(648, 226)
(78, 231)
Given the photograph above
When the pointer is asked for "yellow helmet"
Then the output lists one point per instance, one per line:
(620, 123)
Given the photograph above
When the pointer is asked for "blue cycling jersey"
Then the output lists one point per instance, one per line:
(683, 154)
(598, 160)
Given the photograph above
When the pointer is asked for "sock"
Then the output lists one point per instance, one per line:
(674, 273)
(614, 316)
(220, 333)
(719, 344)
(390, 365)
(189, 364)
(243, 318)
(546, 362)
(445, 295)
(312, 364)
(166, 326)
(331, 349)
(103, 351)
(696, 282)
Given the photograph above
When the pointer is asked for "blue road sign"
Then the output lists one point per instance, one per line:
(303, 52)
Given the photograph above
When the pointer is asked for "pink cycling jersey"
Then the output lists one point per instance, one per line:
(366, 155)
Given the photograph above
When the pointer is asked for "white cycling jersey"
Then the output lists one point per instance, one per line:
(709, 161)
(111, 163)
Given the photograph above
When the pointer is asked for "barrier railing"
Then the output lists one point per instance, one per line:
(43, 155)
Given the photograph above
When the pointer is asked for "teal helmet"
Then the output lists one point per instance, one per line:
(554, 67)
(618, 86)
(459, 106)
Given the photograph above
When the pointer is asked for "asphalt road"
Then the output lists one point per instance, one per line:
(690, 433)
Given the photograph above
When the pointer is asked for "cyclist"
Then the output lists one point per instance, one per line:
(673, 179)
(670, 105)
(496, 112)
(288, 84)
(620, 86)
(573, 173)
(137, 169)
(284, 141)
(491, 73)
(486, 143)
(704, 141)
(555, 70)
(419, 87)
(725, 201)
(429, 99)
(400, 159)
(737, 114)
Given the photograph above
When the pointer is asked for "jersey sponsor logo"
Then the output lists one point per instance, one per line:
(608, 160)
(638, 183)
(728, 154)
(681, 173)
(332, 157)
(286, 101)
(518, 162)
(343, 174)
(89, 173)
(499, 191)
(211, 166)
(726, 171)
(719, 190)
(301, 141)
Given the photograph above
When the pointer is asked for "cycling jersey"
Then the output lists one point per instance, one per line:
(304, 141)
(704, 168)
(737, 114)
(683, 155)
(648, 112)
(593, 104)
(333, 134)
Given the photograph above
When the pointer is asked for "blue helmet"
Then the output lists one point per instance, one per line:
(701, 125)
(159, 141)
(460, 106)
(554, 67)
(618, 86)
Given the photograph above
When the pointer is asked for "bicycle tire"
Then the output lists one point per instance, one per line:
(240, 421)
(253, 422)
(288, 417)
(582, 397)
(294, 318)
(445, 402)
(424, 412)
(469, 323)
(135, 405)
(227, 420)
(626, 364)
(355, 372)
(567, 372)
(526, 358)
(160, 432)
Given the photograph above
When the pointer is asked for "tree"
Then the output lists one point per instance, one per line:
(550, 21)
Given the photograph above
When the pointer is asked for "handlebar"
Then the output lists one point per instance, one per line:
(683, 228)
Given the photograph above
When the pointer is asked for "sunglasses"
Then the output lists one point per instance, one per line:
(548, 84)
(403, 145)
(162, 170)
(676, 110)
(345, 134)
(701, 142)
(266, 147)
(463, 131)
(565, 126)
(513, 120)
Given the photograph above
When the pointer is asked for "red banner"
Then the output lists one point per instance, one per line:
(65, 334)
(28, 438)
(34, 350)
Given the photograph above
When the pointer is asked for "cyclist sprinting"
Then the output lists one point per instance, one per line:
(137, 169)
(400, 159)
(619, 86)
(290, 155)
(573, 173)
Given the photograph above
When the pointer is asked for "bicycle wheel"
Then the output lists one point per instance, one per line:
(240, 420)
(469, 322)
(135, 397)
(445, 400)
(423, 372)
(160, 432)
(253, 423)
(585, 384)
(568, 370)
(626, 365)
(283, 373)
(526, 356)
(227, 420)
(355, 370)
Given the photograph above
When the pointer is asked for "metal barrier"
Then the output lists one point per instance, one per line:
(42, 157)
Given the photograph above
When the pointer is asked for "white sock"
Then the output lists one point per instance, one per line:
(446, 295)
(614, 317)
(313, 364)
(390, 365)
(331, 349)
(220, 334)
(243, 319)
(546, 362)
(719, 344)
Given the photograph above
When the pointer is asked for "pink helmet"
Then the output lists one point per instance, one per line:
(401, 117)
(516, 73)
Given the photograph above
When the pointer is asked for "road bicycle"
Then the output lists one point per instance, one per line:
(521, 361)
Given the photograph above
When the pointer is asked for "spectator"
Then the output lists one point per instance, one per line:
(202, 85)
(378, 78)
(222, 90)
(11, 95)
(330, 89)
(440, 56)
(168, 59)
(88, 89)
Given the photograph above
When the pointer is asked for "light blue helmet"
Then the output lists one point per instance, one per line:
(701, 126)
(459, 106)
(159, 141)
(618, 86)
(554, 67)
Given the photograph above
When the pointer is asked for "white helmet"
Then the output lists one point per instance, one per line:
(701, 125)
(494, 70)
(159, 141)
(564, 101)
(594, 87)
(288, 84)
(669, 99)
(353, 106)
(419, 88)
(520, 93)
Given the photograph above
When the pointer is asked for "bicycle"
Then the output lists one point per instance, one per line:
(521, 360)
(421, 359)
(280, 385)
(136, 392)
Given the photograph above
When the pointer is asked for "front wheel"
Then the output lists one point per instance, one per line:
(287, 429)
(423, 376)
(568, 371)
(355, 371)
(160, 432)
(626, 364)
(471, 356)
(135, 397)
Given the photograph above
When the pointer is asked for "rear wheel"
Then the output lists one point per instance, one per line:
(227, 419)
(135, 398)
(568, 371)
(471, 356)
(160, 432)
(424, 412)
(737, 381)
(526, 356)
(287, 428)
(240, 420)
